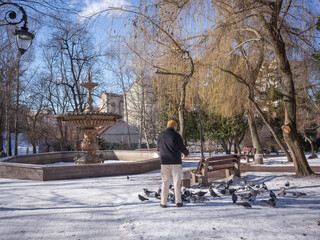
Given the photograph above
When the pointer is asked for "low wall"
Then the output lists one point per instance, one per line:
(31, 166)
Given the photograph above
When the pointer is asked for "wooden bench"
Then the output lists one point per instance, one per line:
(248, 152)
(228, 162)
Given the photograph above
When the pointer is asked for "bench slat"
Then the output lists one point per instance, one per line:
(210, 168)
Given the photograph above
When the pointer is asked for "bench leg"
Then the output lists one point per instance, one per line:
(237, 170)
(194, 179)
(205, 181)
(247, 158)
(227, 173)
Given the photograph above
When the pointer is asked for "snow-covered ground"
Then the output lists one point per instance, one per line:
(109, 208)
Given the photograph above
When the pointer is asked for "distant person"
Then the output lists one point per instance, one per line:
(171, 146)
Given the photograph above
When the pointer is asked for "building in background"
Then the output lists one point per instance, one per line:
(141, 111)
(111, 102)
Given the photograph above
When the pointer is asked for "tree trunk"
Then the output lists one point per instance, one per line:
(253, 130)
(313, 155)
(10, 145)
(272, 130)
(34, 148)
(289, 128)
(182, 108)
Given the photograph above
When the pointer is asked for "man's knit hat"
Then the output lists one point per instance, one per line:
(172, 124)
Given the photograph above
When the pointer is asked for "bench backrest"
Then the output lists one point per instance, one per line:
(222, 160)
(218, 160)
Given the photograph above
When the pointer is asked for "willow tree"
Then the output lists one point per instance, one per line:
(277, 24)
(162, 24)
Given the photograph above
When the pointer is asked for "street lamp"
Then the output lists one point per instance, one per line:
(23, 36)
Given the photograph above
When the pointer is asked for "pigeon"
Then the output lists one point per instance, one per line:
(187, 193)
(201, 193)
(243, 183)
(272, 195)
(157, 195)
(264, 186)
(234, 198)
(128, 177)
(252, 197)
(171, 197)
(232, 191)
(270, 203)
(228, 183)
(193, 199)
(142, 198)
(212, 193)
(245, 204)
(245, 196)
(282, 192)
(299, 194)
(221, 185)
(287, 184)
(147, 192)
(223, 191)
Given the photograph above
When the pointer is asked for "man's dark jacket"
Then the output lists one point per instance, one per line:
(171, 146)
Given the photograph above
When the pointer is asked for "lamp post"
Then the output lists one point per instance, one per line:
(14, 16)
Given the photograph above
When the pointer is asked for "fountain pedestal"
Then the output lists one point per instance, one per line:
(88, 121)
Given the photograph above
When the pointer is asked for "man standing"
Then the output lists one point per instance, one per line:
(171, 146)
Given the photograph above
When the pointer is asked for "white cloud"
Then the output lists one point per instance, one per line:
(94, 7)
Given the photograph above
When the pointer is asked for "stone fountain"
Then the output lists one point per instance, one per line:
(89, 121)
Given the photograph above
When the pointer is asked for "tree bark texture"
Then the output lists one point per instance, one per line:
(289, 128)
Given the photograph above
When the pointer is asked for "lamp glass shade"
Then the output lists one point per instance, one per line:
(23, 39)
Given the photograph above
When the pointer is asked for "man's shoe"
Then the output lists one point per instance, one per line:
(179, 204)
(163, 206)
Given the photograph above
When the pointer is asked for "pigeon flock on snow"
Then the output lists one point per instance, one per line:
(244, 195)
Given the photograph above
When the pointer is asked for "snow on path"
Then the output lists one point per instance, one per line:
(109, 208)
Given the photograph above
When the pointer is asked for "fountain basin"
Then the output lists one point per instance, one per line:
(88, 119)
(30, 167)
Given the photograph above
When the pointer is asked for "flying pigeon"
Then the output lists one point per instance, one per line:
(234, 198)
(245, 204)
(272, 195)
(142, 198)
